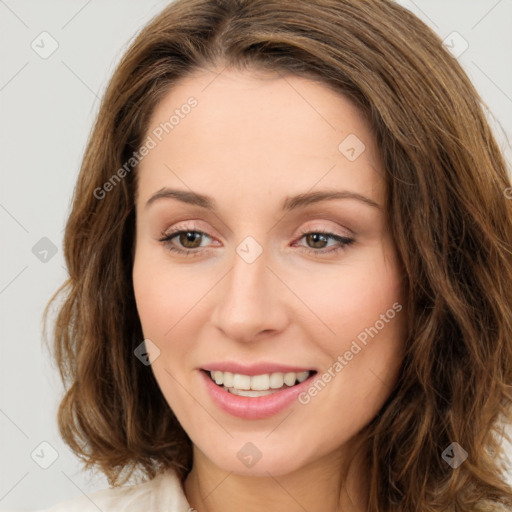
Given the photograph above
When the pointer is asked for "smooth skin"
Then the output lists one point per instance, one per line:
(253, 140)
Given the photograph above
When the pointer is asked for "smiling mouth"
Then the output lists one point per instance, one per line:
(257, 385)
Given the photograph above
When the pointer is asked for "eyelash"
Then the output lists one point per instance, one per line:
(167, 237)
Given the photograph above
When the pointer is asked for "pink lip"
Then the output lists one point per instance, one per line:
(253, 408)
(254, 369)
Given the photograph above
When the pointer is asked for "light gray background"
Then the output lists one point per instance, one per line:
(47, 109)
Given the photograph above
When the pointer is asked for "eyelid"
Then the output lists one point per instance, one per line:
(342, 241)
(307, 228)
(190, 225)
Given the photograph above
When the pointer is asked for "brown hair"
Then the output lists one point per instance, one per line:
(450, 219)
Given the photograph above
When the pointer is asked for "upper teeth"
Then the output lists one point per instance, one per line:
(257, 382)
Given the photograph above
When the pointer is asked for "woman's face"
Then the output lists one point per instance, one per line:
(273, 278)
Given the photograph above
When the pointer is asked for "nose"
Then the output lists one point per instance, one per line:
(250, 301)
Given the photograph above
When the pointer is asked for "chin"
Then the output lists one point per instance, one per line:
(276, 460)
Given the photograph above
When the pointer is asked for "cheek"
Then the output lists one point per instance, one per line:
(156, 306)
(170, 311)
(159, 311)
(161, 294)
(349, 298)
(149, 298)
(362, 330)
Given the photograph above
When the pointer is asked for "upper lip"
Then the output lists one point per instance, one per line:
(254, 369)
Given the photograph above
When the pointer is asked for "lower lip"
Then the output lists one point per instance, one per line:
(253, 408)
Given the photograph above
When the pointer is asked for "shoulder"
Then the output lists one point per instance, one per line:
(162, 493)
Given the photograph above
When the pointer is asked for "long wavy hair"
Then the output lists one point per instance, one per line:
(450, 217)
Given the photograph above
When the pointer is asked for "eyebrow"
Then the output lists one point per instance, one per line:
(290, 203)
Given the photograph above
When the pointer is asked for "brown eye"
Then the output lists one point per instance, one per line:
(319, 240)
(188, 241)
(190, 237)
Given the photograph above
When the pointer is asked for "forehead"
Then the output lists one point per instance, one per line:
(259, 133)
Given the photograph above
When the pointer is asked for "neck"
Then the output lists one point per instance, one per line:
(326, 484)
